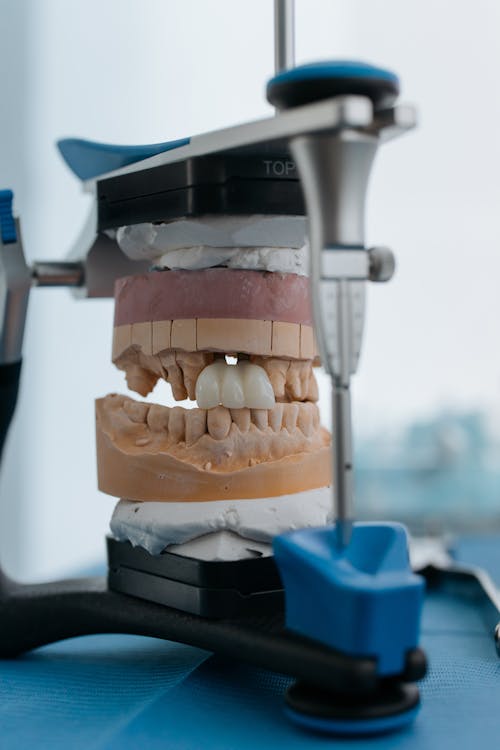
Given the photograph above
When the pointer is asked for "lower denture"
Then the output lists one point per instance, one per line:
(217, 441)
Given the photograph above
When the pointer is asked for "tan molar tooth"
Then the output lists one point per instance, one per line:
(298, 378)
(276, 417)
(191, 364)
(219, 422)
(293, 385)
(176, 424)
(259, 418)
(316, 420)
(158, 418)
(276, 370)
(136, 411)
(290, 414)
(140, 380)
(174, 375)
(305, 419)
(196, 425)
(241, 418)
(312, 388)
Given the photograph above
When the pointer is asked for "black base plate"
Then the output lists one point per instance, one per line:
(206, 588)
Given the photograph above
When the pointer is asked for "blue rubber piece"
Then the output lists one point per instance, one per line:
(348, 727)
(364, 601)
(88, 159)
(335, 69)
(7, 224)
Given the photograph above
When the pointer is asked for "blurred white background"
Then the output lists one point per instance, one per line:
(139, 71)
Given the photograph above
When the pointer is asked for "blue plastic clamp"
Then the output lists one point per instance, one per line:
(7, 222)
(364, 601)
(88, 159)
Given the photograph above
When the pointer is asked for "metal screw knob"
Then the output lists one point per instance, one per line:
(382, 263)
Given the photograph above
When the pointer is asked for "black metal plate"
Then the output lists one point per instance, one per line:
(208, 588)
(247, 576)
(262, 183)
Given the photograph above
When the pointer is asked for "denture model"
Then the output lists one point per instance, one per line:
(232, 329)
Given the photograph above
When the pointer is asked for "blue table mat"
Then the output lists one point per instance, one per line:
(120, 692)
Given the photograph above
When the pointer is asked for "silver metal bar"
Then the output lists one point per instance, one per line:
(57, 273)
(352, 111)
(15, 285)
(432, 559)
(342, 462)
(334, 168)
(284, 35)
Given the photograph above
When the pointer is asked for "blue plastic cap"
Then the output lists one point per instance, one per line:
(7, 223)
(364, 601)
(89, 159)
(336, 69)
(322, 80)
(353, 727)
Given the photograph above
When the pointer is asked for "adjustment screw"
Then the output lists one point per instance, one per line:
(382, 263)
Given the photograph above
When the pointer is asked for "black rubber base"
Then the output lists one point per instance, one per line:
(390, 707)
(200, 587)
(9, 385)
(287, 94)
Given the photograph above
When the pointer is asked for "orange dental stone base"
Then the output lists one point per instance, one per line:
(137, 464)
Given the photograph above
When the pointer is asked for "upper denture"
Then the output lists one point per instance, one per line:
(265, 379)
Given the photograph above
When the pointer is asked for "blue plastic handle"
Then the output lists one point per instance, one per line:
(7, 223)
(364, 601)
(88, 159)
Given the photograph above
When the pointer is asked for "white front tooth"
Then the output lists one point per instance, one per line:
(259, 393)
(208, 391)
(234, 386)
(232, 393)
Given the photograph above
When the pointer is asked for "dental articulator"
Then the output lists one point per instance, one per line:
(237, 262)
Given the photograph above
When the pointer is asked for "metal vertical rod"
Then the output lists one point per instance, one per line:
(342, 463)
(284, 34)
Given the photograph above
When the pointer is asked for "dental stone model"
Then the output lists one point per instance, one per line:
(252, 461)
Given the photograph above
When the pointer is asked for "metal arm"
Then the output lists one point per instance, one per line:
(284, 35)
(334, 170)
